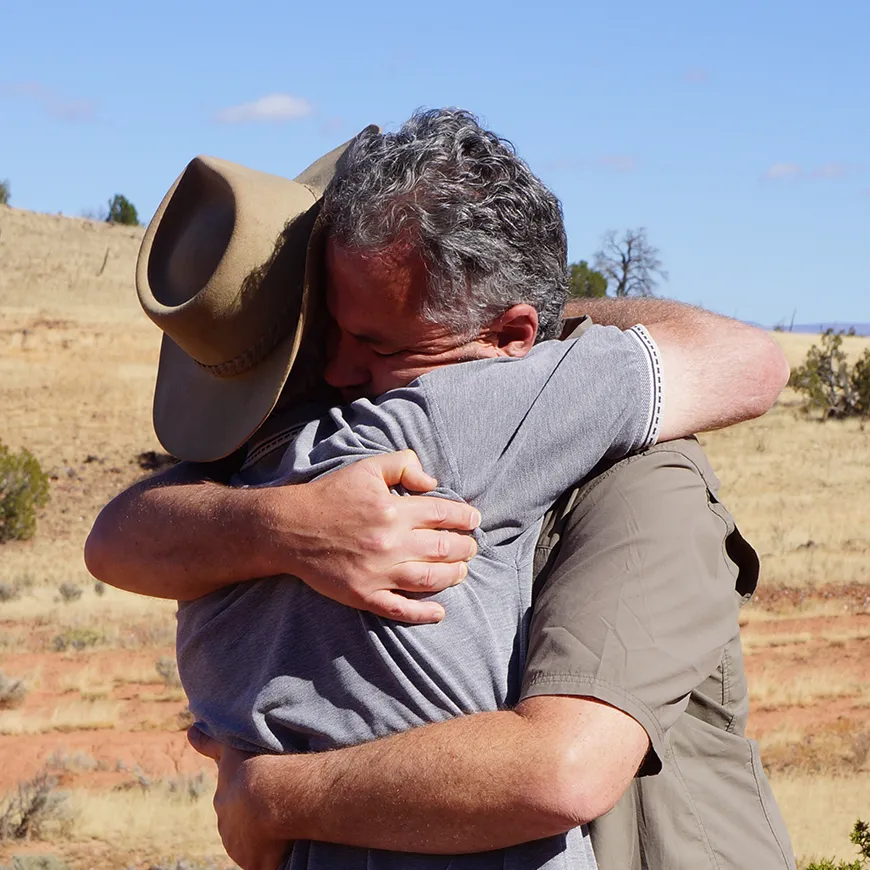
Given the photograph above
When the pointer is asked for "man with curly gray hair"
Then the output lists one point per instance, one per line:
(488, 231)
(443, 247)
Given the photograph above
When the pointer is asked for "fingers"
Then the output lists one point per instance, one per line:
(203, 744)
(426, 512)
(401, 469)
(427, 577)
(391, 605)
(428, 545)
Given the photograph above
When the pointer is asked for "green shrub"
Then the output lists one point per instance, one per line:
(4, 192)
(23, 489)
(122, 211)
(833, 386)
(860, 836)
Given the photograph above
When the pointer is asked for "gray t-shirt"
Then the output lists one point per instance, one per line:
(270, 665)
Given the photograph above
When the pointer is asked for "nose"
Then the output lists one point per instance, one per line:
(347, 365)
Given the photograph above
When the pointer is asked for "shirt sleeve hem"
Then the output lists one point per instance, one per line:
(581, 685)
(653, 360)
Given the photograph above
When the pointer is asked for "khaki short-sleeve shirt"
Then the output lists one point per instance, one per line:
(640, 574)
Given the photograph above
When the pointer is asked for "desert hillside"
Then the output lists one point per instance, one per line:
(61, 263)
(101, 710)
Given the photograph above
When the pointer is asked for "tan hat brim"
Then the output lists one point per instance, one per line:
(210, 417)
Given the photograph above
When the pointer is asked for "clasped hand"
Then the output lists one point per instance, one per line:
(365, 547)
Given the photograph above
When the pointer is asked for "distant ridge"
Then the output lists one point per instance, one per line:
(860, 328)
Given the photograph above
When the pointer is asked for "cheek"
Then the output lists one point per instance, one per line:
(389, 372)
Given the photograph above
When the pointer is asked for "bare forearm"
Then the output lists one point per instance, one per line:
(345, 534)
(183, 541)
(429, 793)
(481, 782)
(625, 313)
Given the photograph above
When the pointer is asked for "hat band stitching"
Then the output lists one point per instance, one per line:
(256, 353)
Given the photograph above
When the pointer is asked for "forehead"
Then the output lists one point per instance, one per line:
(369, 294)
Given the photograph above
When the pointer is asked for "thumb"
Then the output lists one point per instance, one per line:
(403, 469)
(203, 744)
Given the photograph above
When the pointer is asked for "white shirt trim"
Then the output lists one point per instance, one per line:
(653, 357)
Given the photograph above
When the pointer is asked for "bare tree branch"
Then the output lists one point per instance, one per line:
(631, 265)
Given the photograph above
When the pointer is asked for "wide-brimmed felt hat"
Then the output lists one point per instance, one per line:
(227, 269)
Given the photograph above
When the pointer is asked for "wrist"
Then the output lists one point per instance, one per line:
(275, 542)
(284, 790)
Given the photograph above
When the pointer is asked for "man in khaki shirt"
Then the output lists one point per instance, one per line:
(636, 617)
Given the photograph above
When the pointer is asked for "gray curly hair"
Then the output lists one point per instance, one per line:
(490, 233)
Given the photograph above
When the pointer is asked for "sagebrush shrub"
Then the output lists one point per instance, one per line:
(69, 592)
(833, 386)
(35, 811)
(77, 639)
(36, 862)
(9, 591)
(12, 692)
(23, 489)
(167, 668)
(4, 192)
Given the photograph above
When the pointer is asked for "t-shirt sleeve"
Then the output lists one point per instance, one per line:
(519, 432)
(638, 603)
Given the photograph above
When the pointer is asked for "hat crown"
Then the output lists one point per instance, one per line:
(224, 275)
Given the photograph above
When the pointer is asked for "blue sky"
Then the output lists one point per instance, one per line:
(738, 133)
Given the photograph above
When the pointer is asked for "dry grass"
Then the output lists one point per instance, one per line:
(754, 642)
(808, 608)
(802, 500)
(799, 487)
(841, 747)
(771, 640)
(820, 812)
(768, 690)
(82, 715)
(119, 619)
(133, 819)
(91, 680)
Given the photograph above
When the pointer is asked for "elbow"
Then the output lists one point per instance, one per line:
(569, 794)
(97, 552)
(771, 375)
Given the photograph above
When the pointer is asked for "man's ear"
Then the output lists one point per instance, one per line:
(513, 333)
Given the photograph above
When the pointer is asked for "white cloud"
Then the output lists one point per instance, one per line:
(831, 171)
(332, 125)
(613, 162)
(697, 76)
(835, 170)
(780, 171)
(274, 108)
(73, 111)
(618, 162)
